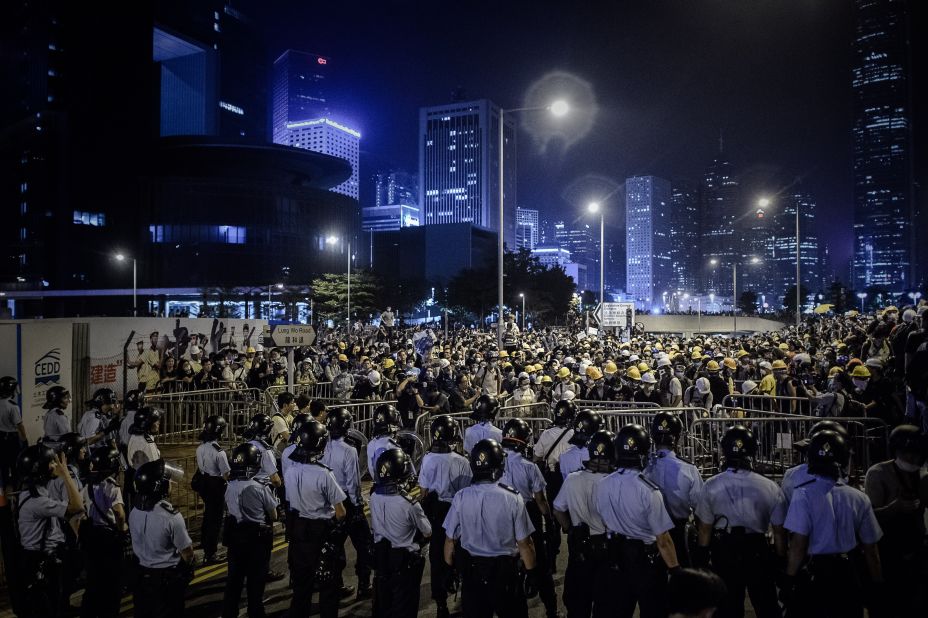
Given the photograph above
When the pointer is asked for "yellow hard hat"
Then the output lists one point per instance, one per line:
(388, 363)
(778, 364)
(697, 349)
(712, 366)
(834, 371)
(342, 358)
(342, 345)
(643, 367)
(610, 368)
(730, 363)
(860, 371)
(593, 373)
(742, 354)
(546, 379)
(891, 308)
(563, 372)
(528, 368)
(250, 350)
(783, 346)
(507, 365)
(695, 355)
(659, 345)
(633, 374)
(503, 354)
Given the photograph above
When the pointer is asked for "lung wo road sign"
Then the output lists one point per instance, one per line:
(615, 314)
(291, 335)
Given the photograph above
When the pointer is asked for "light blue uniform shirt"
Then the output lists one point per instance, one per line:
(312, 491)
(57, 489)
(343, 459)
(212, 460)
(741, 498)
(37, 513)
(793, 477)
(158, 535)
(833, 516)
(572, 459)
(395, 518)
(285, 461)
(445, 474)
(268, 461)
(631, 506)
(679, 481)
(100, 503)
(249, 500)
(92, 422)
(577, 498)
(56, 423)
(488, 520)
(523, 476)
(481, 431)
(124, 426)
(377, 446)
(10, 416)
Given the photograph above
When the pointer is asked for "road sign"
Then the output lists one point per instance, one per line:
(615, 314)
(291, 335)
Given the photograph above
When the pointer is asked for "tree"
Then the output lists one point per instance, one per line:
(841, 297)
(330, 295)
(747, 302)
(789, 300)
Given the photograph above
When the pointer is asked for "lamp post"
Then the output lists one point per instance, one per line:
(279, 286)
(120, 257)
(861, 296)
(522, 296)
(734, 289)
(557, 108)
(594, 207)
(332, 240)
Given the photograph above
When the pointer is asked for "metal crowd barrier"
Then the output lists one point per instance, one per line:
(614, 405)
(182, 496)
(767, 403)
(319, 390)
(185, 412)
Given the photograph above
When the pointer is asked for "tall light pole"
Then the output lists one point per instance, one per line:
(120, 257)
(861, 296)
(332, 240)
(559, 109)
(522, 296)
(734, 298)
(594, 208)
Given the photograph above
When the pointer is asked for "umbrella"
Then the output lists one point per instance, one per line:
(824, 308)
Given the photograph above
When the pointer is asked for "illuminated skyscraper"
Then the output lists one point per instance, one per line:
(685, 250)
(526, 228)
(884, 225)
(391, 188)
(459, 166)
(331, 138)
(780, 260)
(649, 279)
(298, 92)
(720, 209)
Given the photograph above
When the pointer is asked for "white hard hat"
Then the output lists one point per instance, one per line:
(374, 378)
(648, 378)
(703, 386)
(568, 395)
(748, 386)
(663, 362)
(259, 348)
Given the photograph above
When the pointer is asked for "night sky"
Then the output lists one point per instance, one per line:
(772, 76)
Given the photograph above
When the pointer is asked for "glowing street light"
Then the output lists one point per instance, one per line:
(522, 296)
(121, 257)
(861, 296)
(559, 108)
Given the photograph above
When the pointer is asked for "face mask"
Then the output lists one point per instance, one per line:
(860, 385)
(906, 466)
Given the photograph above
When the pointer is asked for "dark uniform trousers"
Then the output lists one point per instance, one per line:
(681, 541)
(249, 547)
(397, 581)
(44, 585)
(159, 593)
(745, 563)
(306, 540)
(554, 482)
(214, 492)
(359, 531)
(638, 576)
(491, 585)
(829, 587)
(103, 552)
(586, 583)
(440, 572)
(545, 580)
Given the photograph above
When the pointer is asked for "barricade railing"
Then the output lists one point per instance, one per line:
(614, 405)
(539, 409)
(183, 498)
(781, 404)
(318, 390)
(185, 412)
(363, 413)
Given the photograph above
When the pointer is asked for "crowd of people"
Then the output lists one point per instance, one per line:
(489, 508)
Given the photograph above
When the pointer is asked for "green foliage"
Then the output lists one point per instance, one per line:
(789, 300)
(330, 295)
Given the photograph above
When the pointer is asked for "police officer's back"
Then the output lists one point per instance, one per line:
(492, 530)
(213, 467)
(552, 443)
(386, 423)
(259, 432)
(483, 413)
(141, 448)
(799, 474)
(586, 423)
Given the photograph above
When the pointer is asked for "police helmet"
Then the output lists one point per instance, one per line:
(739, 447)
(487, 461)
(310, 442)
(103, 397)
(104, 461)
(444, 432)
(907, 439)
(259, 428)
(8, 386)
(54, 397)
(517, 435)
(71, 444)
(828, 425)
(32, 465)
(338, 422)
(133, 400)
(245, 461)
(586, 423)
(632, 445)
(213, 428)
(827, 454)
(386, 420)
(393, 467)
(602, 451)
(151, 481)
(485, 408)
(666, 429)
(564, 413)
(144, 419)
(297, 423)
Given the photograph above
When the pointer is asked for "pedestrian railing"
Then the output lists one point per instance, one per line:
(185, 412)
(614, 405)
(768, 403)
(317, 390)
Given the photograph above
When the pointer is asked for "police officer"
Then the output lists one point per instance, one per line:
(258, 432)
(213, 466)
(74, 449)
(586, 423)
(444, 473)
(386, 424)
(641, 550)
(342, 459)
(141, 448)
(40, 530)
(160, 542)
(492, 529)
(317, 502)
(799, 474)
(735, 510)
(249, 534)
(95, 422)
(131, 405)
(56, 421)
(586, 588)
(548, 450)
(483, 414)
(102, 535)
(298, 421)
(828, 520)
(525, 477)
(401, 529)
(679, 480)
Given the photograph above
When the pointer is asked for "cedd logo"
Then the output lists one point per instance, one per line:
(48, 367)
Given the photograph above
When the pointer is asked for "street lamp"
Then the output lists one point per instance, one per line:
(279, 286)
(734, 288)
(559, 109)
(594, 208)
(332, 240)
(522, 296)
(121, 257)
(861, 296)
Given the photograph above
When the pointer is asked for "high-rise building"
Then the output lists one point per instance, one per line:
(780, 259)
(721, 206)
(459, 166)
(389, 218)
(584, 250)
(331, 138)
(298, 91)
(649, 279)
(526, 228)
(391, 188)
(685, 246)
(884, 221)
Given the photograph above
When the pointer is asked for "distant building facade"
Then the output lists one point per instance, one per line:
(780, 258)
(329, 137)
(298, 91)
(391, 188)
(685, 238)
(721, 206)
(389, 218)
(649, 264)
(526, 228)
